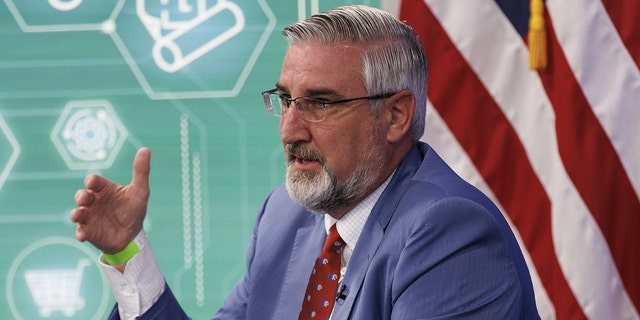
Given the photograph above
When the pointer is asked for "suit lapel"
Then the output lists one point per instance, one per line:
(306, 247)
(373, 233)
(358, 265)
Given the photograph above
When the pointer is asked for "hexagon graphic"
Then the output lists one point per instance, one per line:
(61, 15)
(88, 134)
(192, 49)
(9, 151)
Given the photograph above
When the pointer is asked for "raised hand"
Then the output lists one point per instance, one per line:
(110, 215)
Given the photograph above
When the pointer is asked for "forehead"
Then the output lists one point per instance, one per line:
(309, 67)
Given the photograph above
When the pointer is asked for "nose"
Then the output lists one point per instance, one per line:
(293, 128)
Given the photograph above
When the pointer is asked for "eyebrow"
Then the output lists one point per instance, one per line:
(312, 92)
(281, 88)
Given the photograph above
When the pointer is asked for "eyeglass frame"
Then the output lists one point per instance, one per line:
(266, 96)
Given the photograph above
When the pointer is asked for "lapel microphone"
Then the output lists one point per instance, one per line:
(341, 294)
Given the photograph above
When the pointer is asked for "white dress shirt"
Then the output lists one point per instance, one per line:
(141, 284)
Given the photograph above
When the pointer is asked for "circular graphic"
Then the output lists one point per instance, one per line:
(89, 133)
(57, 278)
(63, 5)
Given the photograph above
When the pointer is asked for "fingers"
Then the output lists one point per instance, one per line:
(95, 182)
(81, 235)
(141, 169)
(79, 217)
(83, 198)
(140, 179)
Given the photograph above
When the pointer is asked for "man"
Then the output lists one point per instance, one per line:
(414, 240)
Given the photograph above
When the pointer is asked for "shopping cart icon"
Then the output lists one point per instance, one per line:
(57, 289)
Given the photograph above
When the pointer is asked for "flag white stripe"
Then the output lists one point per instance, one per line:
(581, 249)
(608, 75)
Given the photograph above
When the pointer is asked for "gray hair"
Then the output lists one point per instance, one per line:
(393, 57)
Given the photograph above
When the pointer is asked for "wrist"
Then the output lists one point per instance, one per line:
(123, 256)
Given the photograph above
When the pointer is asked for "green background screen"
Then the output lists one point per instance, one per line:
(83, 85)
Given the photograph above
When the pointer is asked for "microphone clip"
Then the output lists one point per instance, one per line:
(341, 294)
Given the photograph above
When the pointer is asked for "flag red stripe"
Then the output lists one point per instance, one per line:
(474, 119)
(593, 165)
(623, 14)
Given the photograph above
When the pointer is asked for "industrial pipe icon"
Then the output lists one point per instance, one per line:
(174, 46)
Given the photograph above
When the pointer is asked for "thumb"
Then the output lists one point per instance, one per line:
(141, 168)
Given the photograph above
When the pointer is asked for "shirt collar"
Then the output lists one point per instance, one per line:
(351, 224)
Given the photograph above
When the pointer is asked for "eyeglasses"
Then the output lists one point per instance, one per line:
(309, 109)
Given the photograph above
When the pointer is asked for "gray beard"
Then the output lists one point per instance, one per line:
(323, 192)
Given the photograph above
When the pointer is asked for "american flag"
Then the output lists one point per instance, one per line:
(558, 148)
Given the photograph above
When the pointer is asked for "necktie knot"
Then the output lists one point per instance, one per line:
(334, 242)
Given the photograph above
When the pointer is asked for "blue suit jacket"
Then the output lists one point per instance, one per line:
(434, 247)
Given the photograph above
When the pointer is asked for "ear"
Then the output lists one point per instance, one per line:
(401, 107)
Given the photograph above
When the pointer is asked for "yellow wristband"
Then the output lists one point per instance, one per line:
(123, 256)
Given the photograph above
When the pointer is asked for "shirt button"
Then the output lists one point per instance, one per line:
(129, 289)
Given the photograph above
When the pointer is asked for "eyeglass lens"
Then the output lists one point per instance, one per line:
(308, 108)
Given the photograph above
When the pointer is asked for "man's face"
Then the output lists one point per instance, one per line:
(331, 164)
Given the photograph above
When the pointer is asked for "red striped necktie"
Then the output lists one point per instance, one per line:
(323, 282)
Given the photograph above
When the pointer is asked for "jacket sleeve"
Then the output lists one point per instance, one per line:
(235, 304)
(166, 308)
(457, 264)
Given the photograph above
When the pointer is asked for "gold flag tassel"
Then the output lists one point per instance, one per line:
(537, 37)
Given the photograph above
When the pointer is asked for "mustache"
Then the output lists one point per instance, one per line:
(296, 150)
